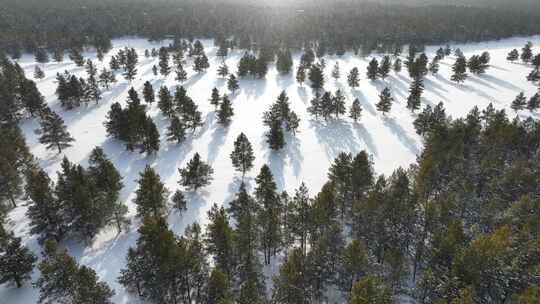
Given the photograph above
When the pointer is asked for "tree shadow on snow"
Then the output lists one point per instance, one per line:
(402, 135)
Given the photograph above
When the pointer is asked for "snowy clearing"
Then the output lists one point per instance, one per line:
(391, 140)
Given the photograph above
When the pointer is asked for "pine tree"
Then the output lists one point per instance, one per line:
(76, 56)
(154, 70)
(220, 240)
(219, 288)
(284, 62)
(315, 108)
(164, 67)
(41, 55)
(130, 69)
(274, 137)
(536, 61)
(534, 103)
(53, 133)
(513, 55)
(150, 137)
(526, 52)
(385, 101)
(353, 78)
(16, 261)
(301, 75)
(165, 102)
(114, 64)
(268, 216)
(215, 98)
(370, 290)
(242, 156)
(290, 284)
(415, 94)
(355, 111)
(223, 70)
(373, 69)
(176, 130)
(338, 104)
(397, 65)
(225, 111)
(460, 70)
(434, 66)
(187, 109)
(151, 196)
(201, 63)
(31, 98)
(38, 73)
(384, 68)
(316, 77)
(196, 174)
(232, 83)
(519, 103)
(179, 202)
(46, 213)
(181, 74)
(148, 93)
(106, 78)
(64, 281)
(335, 72)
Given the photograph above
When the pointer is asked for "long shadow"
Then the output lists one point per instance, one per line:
(195, 200)
(433, 87)
(336, 136)
(500, 82)
(302, 94)
(401, 134)
(277, 166)
(234, 186)
(293, 153)
(478, 80)
(364, 135)
(363, 101)
(253, 87)
(285, 80)
(219, 136)
(467, 88)
(399, 87)
(193, 79)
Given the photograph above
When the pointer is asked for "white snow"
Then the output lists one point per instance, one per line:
(391, 140)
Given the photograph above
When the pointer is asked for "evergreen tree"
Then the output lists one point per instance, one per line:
(31, 98)
(181, 74)
(196, 174)
(232, 83)
(353, 78)
(284, 62)
(164, 67)
(130, 69)
(370, 290)
(220, 240)
(148, 93)
(338, 104)
(114, 64)
(179, 202)
(165, 102)
(384, 68)
(201, 63)
(53, 133)
(106, 78)
(151, 196)
(397, 65)
(335, 72)
(225, 111)
(46, 213)
(354, 264)
(149, 136)
(460, 70)
(215, 98)
(75, 54)
(269, 214)
(536, 61)
(316, 77)
(219, 288)
(526, 52)
(38, 73)
(513, 55)
(64, 281)
(373, 69)
(223, 70)
(385, 101)
(154, 70)
(520, 102)
(274, 137)
(355, 112)
(242, 156)
(415, 94)
(176, 130)
(534, 103)
(290, 284)
(301, 75)
(16, 261)
(41, 55)
(187, 109)
(434, 66)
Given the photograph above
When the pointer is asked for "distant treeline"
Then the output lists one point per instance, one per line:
(352, 25)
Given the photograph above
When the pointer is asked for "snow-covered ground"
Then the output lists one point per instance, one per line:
(391, 140)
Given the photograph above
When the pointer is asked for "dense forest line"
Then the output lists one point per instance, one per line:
(59, 25)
